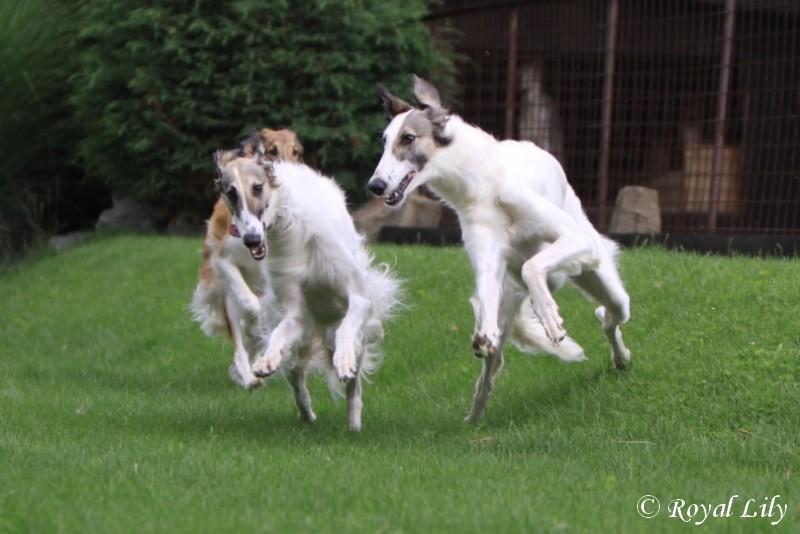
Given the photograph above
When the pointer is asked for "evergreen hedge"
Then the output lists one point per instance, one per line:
(37, 134)
(162, 84)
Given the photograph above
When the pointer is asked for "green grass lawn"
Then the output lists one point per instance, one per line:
(117, 415)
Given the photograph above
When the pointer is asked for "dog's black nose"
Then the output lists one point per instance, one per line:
(251, 240)
(377, 186)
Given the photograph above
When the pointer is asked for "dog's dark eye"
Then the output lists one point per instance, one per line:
(273, 151)
(232, 194)
(257, 189)
(407, 139)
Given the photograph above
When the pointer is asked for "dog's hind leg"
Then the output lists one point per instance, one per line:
(493, 363)
(354, 403)
(528, 335)
(605, 286)
(302, 398)
(349, 336)
(569, 253)
(485, 384)
(240, 370)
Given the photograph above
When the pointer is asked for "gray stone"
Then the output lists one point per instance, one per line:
(128, 215)
(372, 216)
(420, 212)
(417, 211)
(63, 242)
(636, 212)
(186, 225)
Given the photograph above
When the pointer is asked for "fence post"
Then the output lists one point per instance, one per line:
(608, 96)
(511, 81)
(722, 110)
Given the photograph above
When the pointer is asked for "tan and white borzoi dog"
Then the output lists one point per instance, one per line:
(522, 225)
(327, 298)
(233, 279)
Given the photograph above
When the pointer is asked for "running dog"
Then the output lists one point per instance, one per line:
(522, 225)
(233, 280)
(328, 297)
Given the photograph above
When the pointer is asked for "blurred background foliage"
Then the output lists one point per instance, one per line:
(40, 182)
(132, 97)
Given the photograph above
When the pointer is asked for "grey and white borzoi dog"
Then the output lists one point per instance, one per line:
(522, 225)
(326, 296)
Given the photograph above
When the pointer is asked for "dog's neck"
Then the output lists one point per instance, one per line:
(461, 167)
(276, 214)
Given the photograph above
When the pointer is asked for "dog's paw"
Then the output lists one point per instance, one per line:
(547, 312)
(268, 364)
(249, 381)
(308, 417)
(621, 358)
(345, 364)
(354, 426)
(253, 383)
(485, 345)
(251, 305)
(472, 419)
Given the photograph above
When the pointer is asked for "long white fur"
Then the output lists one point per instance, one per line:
(325, 285)
(526, 233)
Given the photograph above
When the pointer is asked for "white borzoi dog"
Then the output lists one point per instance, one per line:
(233, 279)
(327, 296)
(522, 225)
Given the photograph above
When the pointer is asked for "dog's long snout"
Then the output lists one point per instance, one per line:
(377, 186)
(251, 240)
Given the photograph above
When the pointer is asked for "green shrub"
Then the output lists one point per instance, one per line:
(37, 137)
(162, 84)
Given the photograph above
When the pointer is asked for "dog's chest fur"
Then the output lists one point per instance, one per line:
(294, 261)
(517, 239)
(254, 272)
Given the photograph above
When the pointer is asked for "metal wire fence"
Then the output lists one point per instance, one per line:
(698, 99)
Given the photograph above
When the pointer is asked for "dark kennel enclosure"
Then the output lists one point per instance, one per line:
(698, 99)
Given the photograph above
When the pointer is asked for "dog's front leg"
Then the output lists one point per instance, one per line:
(288, 332)
(239, 371)
(488, 262)
(349, 336)
(236, 285)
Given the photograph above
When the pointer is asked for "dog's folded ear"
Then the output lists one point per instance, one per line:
(394, 105)
(251, 145)
(222, 158)
(425, 93)
(267, 165)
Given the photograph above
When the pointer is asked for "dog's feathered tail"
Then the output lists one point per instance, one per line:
(605, 246)
(385, 296)
(208, 309)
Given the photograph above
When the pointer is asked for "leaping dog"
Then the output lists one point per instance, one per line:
(328, 298)
(522, 225)
(233, 279)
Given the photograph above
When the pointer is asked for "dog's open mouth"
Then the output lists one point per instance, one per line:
(394, 198)
(259, 252)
